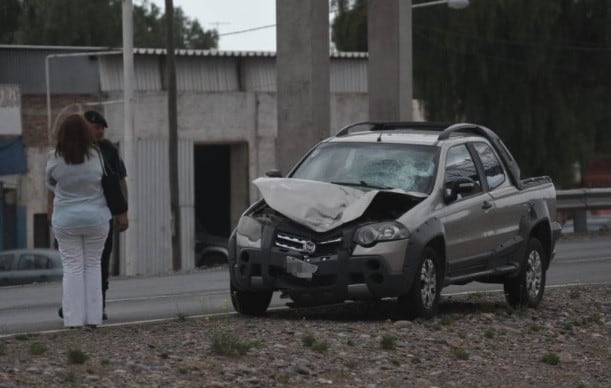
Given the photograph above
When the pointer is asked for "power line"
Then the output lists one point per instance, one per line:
(248, 30)
(331, 10)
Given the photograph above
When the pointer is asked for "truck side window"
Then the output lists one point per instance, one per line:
(460, 167)
(493, 169)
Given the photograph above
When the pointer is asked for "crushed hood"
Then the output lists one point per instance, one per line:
(323, 206)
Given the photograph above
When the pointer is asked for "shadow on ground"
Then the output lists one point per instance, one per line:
(389, 309)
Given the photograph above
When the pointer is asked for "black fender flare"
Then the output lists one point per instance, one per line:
(536, 221)
(420, 238)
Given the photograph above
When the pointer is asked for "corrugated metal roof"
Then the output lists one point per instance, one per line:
(221, 53)
(55, 48)
(220, 72)
(181, 52)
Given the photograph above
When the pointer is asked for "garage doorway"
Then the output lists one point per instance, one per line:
(212, 189)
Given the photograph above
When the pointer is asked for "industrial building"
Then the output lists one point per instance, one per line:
(227, 126)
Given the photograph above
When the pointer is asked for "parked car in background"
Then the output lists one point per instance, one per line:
(23, 266)
(210, 250)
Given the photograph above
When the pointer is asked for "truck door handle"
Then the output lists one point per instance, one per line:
(486, 205)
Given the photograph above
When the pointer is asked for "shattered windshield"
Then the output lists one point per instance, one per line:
(372, 166)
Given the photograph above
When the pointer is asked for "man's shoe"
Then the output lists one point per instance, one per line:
(60, 312)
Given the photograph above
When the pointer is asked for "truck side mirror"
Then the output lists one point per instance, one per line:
(452, 189)
(273, 174)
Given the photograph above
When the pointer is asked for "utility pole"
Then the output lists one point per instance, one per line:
(129, 147)
(173, 138)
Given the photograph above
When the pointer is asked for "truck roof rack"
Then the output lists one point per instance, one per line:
(396, 125)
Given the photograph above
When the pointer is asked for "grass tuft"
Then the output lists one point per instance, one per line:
(388, 342)
(447, 320)
(574, 294)
(36, 348)
(308, 340)
(226, 344)
(351, 364)
(461, 354)
(70, 377)
(181, 317)
(320, 346)
(76, 356)
(489, 333)
(550, 358)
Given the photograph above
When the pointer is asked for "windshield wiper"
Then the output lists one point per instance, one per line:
(362, 184)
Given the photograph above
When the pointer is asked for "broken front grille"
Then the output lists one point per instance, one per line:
(308, 246)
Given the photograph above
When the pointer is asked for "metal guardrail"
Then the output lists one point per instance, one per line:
(583, 199)
(580, 201)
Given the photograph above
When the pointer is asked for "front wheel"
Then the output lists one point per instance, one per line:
(250, 302)
(527, 288)
(423, 298)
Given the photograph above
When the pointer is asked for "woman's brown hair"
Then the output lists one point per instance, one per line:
(74, 140)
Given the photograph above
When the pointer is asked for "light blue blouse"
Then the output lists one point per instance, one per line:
(79, 199)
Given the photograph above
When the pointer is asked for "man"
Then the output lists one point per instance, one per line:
(113, 161)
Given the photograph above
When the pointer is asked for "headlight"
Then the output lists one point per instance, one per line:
(250, 228)
(368, 235)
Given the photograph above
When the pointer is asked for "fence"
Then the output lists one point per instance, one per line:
(579, 201)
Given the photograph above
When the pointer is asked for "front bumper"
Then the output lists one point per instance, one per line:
(338, 276)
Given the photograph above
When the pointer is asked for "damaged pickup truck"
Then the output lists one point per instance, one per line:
(395, 210)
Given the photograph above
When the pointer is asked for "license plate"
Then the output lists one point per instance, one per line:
(300, 268)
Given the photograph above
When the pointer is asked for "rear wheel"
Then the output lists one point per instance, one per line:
(423, 298)
(527, 288)
(250, 302)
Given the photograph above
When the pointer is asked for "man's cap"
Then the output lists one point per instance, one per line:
(95, 118)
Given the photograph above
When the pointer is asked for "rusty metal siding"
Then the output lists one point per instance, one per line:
(154, 224)
(153, 208)
(26, 67)
(259, 74)
(348, 75)
(187, 202)
(147, 73)
(206, 74)
(154, 221)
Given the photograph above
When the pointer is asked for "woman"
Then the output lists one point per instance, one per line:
(79, 216)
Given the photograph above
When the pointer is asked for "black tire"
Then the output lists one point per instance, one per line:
(422, 301)
(527, 288)
(250, 302)
(211, 259)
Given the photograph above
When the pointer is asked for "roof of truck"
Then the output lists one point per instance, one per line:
(425, 133)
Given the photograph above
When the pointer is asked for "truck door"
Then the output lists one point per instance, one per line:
(467, 220)
(507, 208)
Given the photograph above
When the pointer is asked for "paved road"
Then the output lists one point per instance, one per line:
(34, 307)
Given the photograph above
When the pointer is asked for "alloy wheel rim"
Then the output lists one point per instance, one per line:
(428, 282)
(534, 274)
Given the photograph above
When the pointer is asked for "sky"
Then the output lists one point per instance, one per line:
(229, 16)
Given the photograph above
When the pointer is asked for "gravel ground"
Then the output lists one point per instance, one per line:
(475, 341)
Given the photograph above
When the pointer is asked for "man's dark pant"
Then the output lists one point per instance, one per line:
(106, 263)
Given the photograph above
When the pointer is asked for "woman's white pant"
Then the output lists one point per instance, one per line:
(81, 253)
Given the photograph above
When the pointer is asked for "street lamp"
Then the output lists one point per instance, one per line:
(454, 4)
